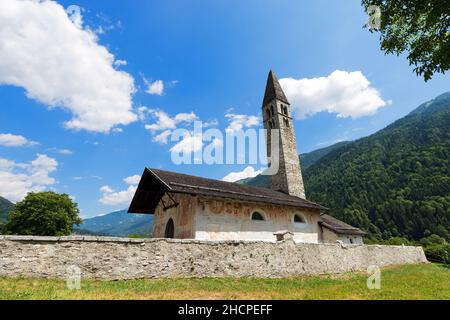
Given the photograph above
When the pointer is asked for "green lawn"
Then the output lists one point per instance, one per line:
(426, 281)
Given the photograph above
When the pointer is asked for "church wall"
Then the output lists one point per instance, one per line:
(182, 216)
(231, 220)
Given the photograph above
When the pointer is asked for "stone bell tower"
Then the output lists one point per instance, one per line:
(277, 115)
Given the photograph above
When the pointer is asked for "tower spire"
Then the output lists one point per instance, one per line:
(277, 116)
(273, 90)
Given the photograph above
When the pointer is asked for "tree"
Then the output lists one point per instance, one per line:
(44, 214)
(418, 27)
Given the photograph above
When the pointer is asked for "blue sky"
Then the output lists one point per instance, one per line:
(212, 58)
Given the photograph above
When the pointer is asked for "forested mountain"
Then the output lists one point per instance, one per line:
(395, 182)
(5, 207)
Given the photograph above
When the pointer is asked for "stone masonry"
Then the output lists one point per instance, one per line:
(277, 115)
(121, 258)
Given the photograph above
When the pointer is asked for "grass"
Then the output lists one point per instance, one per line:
(425, 281)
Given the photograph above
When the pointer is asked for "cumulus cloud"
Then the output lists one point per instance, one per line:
(189, 144)
(155, 88)
(238, 122)
(165, 124)
(248, 172)
(112, 197)
(12, 140)
(17, 179)
(348, 94)
(61, 64)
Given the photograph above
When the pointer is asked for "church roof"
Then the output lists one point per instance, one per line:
(273, 90)
(155, 183)
(339, 226)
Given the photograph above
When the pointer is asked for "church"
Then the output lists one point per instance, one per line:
(189, 207)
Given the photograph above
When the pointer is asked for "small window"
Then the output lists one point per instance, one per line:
(299, 219)
(286, 122)
(273, 110)
(256, 216)
(351, 240)
(285, 110)
(268, 114)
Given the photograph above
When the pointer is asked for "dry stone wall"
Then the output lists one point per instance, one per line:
(122, 258)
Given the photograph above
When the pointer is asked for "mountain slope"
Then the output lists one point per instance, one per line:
(119, 223)
(306, 159)
(5, 208)
(395, 182)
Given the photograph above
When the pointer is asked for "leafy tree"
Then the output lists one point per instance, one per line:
(418, 27)
(44, 214)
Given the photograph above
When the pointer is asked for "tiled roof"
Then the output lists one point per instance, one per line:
(155, 183)
(339, 226)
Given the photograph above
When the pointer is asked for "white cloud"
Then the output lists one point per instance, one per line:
(106, 189)
(12, 140)
(189, 143)
(155, 88)
(163, 137)
(238, 122)
(248, 172)
(133, 180)
(60, 63)
(348, 94)
(111, 197)
(17, 179)
(65, 152)
(165, 123)
(119, 63)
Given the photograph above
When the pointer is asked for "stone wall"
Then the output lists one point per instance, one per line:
(121, 258)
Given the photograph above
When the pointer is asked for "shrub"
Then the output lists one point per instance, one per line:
(438, 253)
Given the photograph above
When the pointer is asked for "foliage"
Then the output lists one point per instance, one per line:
(418, 27)
(44, 214)
(424, 281)
(438, 253)
(395, 183)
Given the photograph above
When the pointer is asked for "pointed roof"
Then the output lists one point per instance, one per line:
(273, 90)
(155, 183)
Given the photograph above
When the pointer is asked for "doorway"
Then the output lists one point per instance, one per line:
(170, 229)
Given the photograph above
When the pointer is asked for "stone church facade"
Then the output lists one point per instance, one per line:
(189, 207)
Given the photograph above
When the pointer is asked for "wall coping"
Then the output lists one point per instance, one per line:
(101, 239)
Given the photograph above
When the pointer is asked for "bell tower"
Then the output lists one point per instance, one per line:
(277, 115)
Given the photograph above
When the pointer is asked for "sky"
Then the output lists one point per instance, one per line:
(92, 91)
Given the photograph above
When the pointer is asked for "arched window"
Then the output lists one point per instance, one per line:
(273, 110)
(299, 220)
(285, 110)
(286, 122)
(257, 216)
(170, 229)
